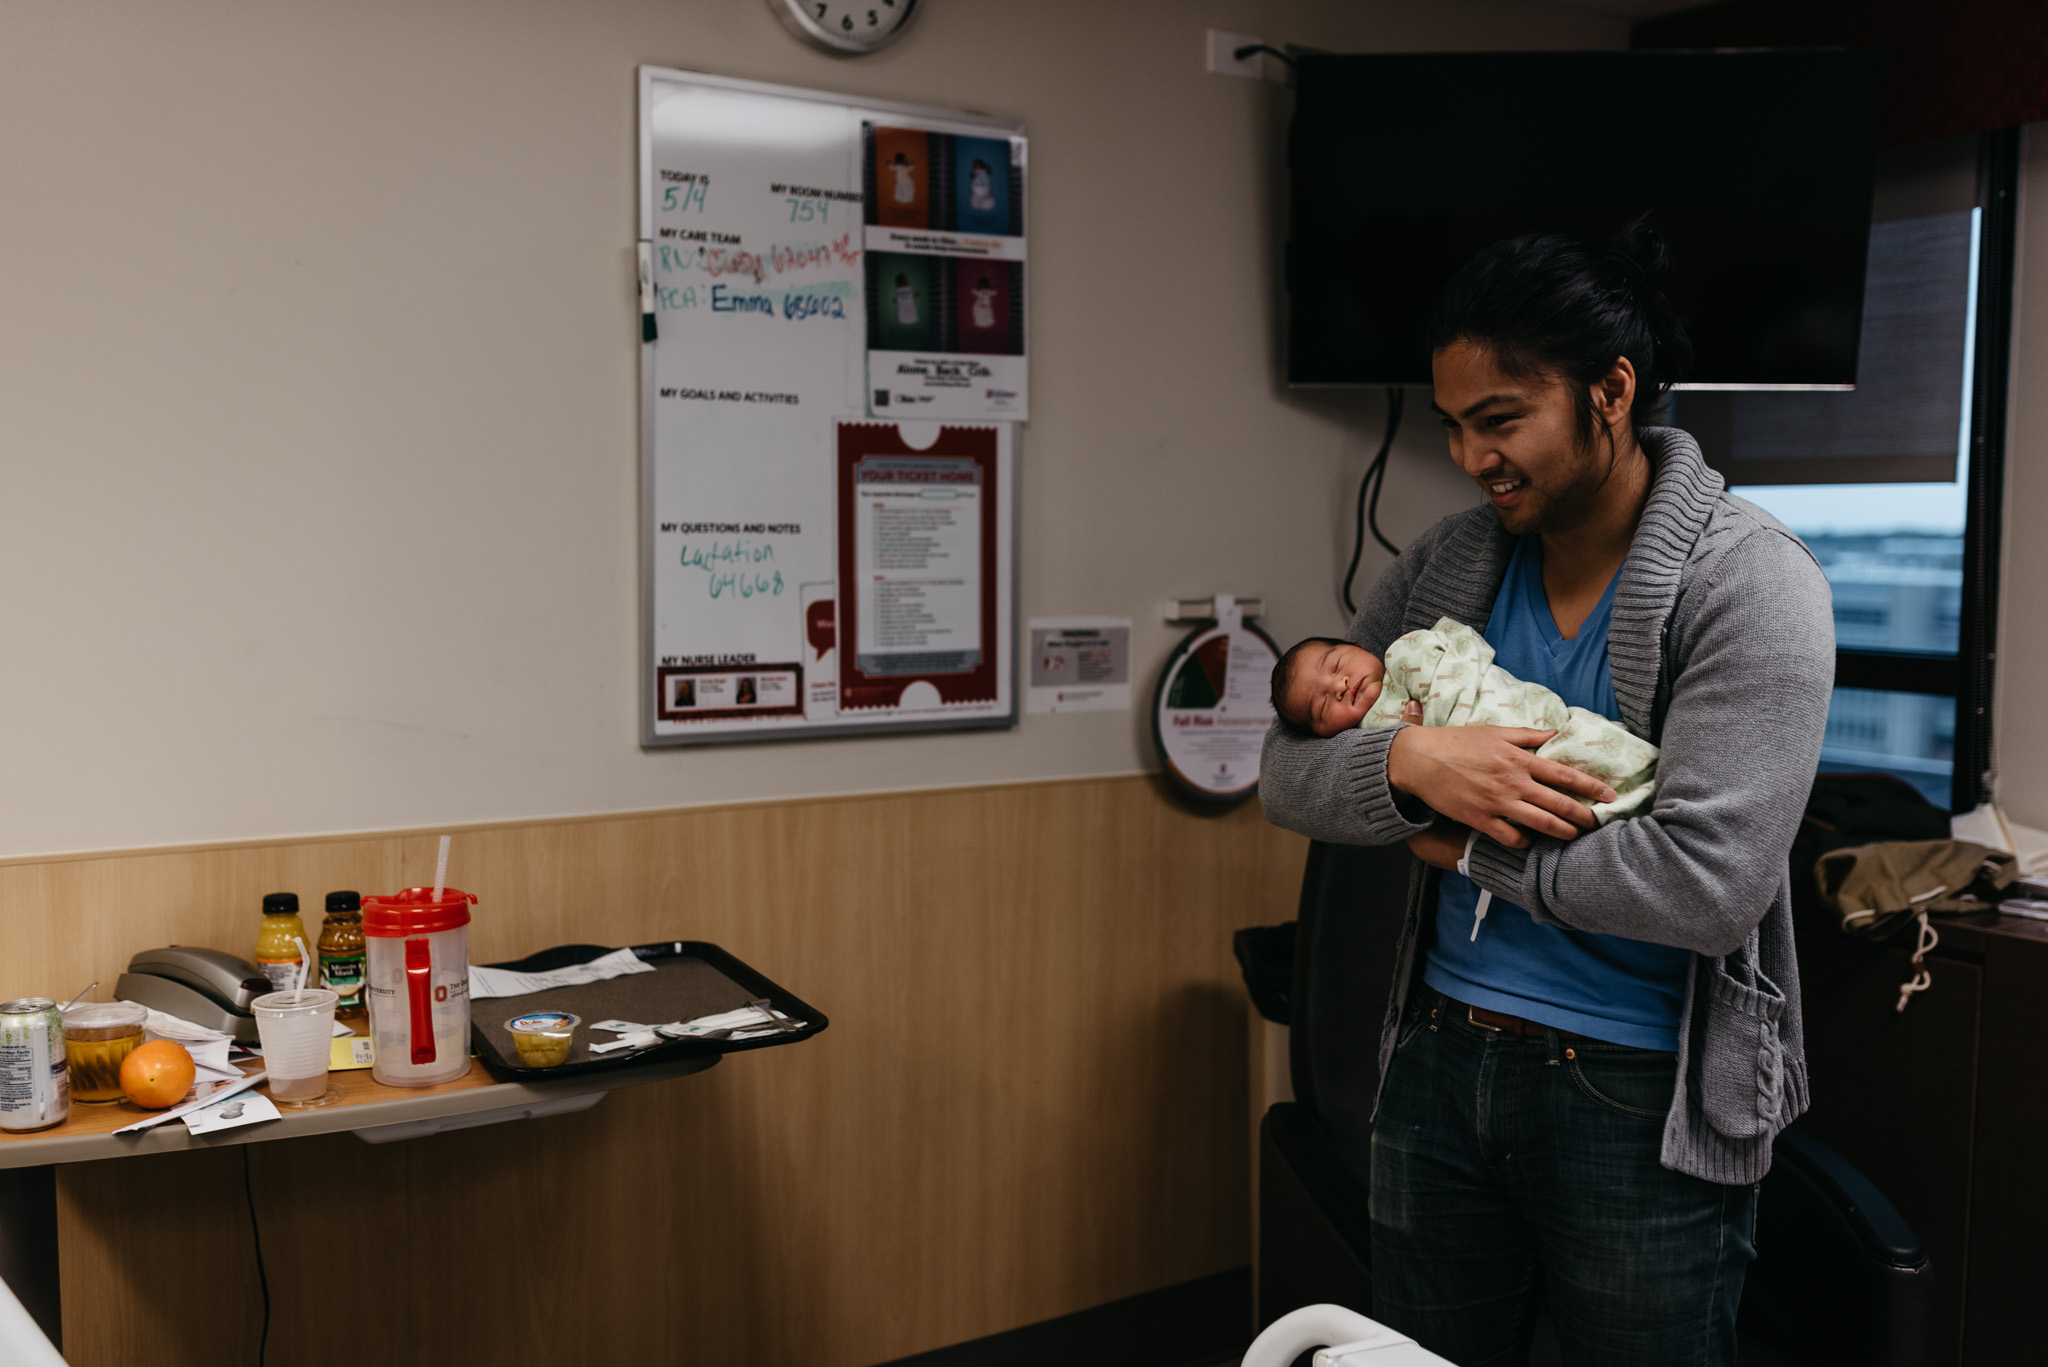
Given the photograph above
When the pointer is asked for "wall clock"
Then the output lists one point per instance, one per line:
(846, 28)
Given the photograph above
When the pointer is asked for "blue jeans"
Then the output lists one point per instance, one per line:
(1510, 1173)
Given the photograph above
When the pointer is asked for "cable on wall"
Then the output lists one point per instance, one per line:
(1369, 500)
(1249, 48)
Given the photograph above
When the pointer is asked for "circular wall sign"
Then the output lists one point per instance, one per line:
(1212, 708)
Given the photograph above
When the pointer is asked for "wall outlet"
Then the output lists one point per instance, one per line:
(1223, 60)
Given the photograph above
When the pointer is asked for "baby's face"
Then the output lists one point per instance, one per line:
(1334, 686)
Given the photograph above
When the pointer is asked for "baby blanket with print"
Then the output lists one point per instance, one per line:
(1449, 669)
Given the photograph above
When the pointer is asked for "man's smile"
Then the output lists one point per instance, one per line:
(1503, 491)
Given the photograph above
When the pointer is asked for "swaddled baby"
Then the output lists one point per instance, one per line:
(1323, 687)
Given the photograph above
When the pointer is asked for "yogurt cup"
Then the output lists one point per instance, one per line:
(543, 1037)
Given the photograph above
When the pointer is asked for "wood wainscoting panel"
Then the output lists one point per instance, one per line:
(1031, 1100)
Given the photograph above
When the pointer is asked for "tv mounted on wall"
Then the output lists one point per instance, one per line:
(1757, 164)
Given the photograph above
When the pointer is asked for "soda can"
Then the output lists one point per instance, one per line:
(35, 1085)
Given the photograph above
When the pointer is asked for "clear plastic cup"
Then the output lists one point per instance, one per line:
(295, 1029)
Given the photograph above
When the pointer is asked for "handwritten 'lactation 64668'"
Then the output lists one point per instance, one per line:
(735, 569)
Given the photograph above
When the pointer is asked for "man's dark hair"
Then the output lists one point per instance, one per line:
(1298, 725)
(1544, 304)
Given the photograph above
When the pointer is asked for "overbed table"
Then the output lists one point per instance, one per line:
(374, 1112)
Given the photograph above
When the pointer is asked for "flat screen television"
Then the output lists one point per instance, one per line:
(1758, 166)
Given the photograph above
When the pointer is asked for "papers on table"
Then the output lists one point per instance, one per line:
(179, 1112)
(505, 982)
(228, 1112)
(163, 1025)
(357, 1051)
(210, 1066)
(208, 1048)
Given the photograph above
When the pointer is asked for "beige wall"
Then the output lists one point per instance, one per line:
(318, 507)
(2020, 733)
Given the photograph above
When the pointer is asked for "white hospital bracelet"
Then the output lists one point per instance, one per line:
(1485, 897)
(1465, 860)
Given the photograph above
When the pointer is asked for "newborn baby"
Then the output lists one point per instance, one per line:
(1324, 686)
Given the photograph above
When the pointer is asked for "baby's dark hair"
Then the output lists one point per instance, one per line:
(1281, 671)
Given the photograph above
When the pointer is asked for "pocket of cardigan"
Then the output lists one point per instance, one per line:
(1742, 1064)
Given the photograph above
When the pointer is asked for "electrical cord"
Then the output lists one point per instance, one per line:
(262, 1278)
(1249, 48)
(1369, 499)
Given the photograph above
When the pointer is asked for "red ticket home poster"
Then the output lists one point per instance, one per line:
(919, 568)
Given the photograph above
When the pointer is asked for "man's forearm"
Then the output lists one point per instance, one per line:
(1336, 790)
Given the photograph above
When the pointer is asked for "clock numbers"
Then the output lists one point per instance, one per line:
(846, 25)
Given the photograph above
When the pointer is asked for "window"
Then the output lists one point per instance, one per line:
(1881, 483)
(1893, 554)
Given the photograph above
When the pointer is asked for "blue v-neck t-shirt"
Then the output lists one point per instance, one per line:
(1601, 986)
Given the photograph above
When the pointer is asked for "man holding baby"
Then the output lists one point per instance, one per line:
(1578, 1087)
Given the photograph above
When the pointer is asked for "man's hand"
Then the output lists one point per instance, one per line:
(1485, 777)
(1441, 846)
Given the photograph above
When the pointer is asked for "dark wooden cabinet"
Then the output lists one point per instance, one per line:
(1945, 1107)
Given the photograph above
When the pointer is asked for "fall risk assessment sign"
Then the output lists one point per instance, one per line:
(828, 548)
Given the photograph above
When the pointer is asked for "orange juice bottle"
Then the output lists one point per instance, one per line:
(277, 954)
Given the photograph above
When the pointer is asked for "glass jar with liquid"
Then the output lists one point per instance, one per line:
(97, 1037)
(278, 940)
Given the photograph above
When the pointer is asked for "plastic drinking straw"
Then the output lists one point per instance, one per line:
(441, 870)
(305, 966)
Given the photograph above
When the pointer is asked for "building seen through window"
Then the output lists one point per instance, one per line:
(1897, 587)
(1892, 551)
(1895, 590)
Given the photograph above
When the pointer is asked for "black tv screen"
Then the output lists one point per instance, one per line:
(1757, 165)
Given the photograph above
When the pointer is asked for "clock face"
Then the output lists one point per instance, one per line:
(846, 26)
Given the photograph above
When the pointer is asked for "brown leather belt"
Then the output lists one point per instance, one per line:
(1502, 1023)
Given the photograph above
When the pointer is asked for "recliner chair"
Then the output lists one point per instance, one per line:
(1839, 1279)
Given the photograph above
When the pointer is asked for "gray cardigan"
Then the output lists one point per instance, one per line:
(1722, 651)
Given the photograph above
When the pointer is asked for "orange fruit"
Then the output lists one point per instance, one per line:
(157, 1074)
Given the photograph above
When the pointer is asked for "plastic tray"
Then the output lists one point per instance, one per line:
(692, 978)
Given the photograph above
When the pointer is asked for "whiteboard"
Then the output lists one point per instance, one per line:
(833, 364)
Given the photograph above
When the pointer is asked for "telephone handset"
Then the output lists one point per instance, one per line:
(208, 987)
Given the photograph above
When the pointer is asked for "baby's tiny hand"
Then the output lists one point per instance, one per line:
(1413, 711)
